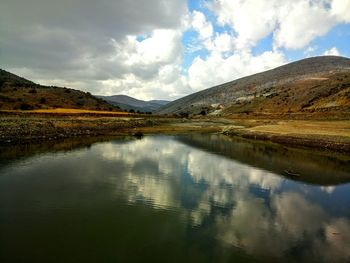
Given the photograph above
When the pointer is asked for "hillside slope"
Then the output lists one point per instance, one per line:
(17, 93)
(308, 85)
(128, 103)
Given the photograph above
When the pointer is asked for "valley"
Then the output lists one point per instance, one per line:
(130, 104)
(302, 104)
(211, 131)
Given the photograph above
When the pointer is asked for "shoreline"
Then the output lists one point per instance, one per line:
(326, 135)
(27, 128)
(324, 144)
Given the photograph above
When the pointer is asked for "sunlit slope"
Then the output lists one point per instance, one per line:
(17, 93)
(309, 85)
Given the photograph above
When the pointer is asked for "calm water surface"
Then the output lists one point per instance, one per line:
(199, 198)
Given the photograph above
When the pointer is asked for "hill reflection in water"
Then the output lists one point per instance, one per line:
(188, 198)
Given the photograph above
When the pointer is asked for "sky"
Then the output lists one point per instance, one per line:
(164, 49)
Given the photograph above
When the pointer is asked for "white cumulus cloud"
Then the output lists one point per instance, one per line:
(201, 25)
(136, 47)
(217, 69)
(332, 52)
(294, 24)
(341, 9)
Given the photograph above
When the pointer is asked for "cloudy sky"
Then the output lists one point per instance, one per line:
(164, 49)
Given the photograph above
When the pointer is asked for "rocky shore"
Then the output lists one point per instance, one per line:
(23, 129)
(26, 128)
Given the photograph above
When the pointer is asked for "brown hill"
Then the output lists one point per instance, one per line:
(319, 84)
(325, 93)
(17, 93)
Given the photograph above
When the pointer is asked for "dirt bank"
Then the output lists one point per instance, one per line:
(23, 128)
(325, 135)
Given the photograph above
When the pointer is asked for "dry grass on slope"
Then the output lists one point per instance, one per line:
(331, 93)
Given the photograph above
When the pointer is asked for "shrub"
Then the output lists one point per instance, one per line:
(33, 91)
(184, 114)
(25, 106)
(138, 135)
(42, 100)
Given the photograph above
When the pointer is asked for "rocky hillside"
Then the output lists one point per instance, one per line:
(131, 104)
(17, 93)
(310, 85)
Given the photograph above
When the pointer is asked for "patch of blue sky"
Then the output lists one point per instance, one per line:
(190, 38)
(294, 54)
(338, 37)
(263, 45)
(141, 38)
(223, 28)
(188, 60)
(192, 49)
(199, 5)
(202, 6)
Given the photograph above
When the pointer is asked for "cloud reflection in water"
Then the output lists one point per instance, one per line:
(249, 208)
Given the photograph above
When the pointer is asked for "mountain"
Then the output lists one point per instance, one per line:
(309, 85)
(9, 78)
(128, 103)
(19, 93)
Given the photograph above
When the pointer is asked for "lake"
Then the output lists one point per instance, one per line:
(189, 198)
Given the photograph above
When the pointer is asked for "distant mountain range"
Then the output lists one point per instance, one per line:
(17, 93)
(319, 84)
(128, 103)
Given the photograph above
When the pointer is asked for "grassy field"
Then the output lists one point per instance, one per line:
(298, 127)
(67, 111)
(327, 135)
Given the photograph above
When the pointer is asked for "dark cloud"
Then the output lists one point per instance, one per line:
(106, 17)
(74, 40)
